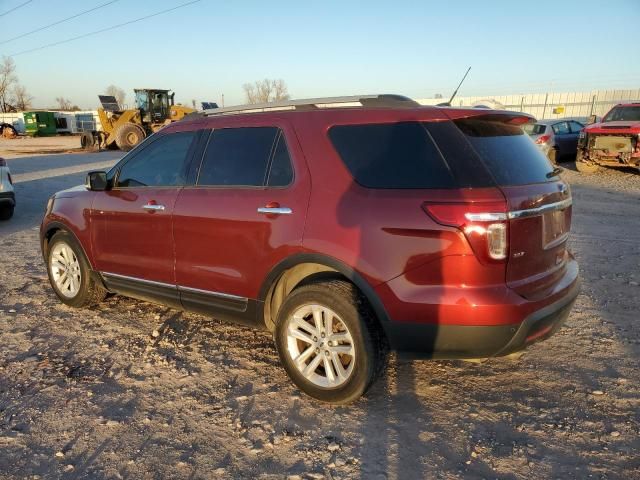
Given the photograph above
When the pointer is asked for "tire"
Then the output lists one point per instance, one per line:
(552, 155)
(352, 320)
(86, 140)
(128, 136)
(584, 167)
(6, 212)
(82, 292)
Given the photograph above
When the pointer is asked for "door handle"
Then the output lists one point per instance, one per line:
(153, 207)
(274, 208)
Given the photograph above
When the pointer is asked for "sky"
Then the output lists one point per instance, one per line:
(417, 48)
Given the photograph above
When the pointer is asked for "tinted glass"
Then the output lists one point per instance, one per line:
(507, 152)
(160, 164)
(576, 127)
(534, 128)
(237, 156)
(281, 173)
(623, 114)
(398, 155)
(561, 128)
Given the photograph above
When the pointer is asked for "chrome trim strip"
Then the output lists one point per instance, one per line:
(485, 217)
(140, 280)
(275, 211)
(177, 287)
(213, 294)
(530, 212)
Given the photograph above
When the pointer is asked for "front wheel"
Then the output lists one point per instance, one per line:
(6, 212)
(329, 342)
(70, 273)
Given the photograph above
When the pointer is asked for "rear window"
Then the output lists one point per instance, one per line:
(507, 152)
(534, 129)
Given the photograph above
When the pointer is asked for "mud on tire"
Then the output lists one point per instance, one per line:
(128, 136)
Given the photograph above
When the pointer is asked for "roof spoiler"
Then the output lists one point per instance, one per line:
(501, 116)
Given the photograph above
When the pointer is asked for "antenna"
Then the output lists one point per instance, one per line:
(448, 104)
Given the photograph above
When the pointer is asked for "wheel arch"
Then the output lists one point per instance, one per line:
(54, 227)
(305, 268)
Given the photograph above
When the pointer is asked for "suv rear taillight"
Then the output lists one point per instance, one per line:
(543, 139)
(483, 224)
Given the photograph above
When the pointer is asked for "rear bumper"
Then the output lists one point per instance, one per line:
(538, 320)
(8, 197)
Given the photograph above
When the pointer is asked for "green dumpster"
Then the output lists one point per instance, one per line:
(39, 123)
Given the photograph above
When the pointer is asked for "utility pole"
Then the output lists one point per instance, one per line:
(222, 100)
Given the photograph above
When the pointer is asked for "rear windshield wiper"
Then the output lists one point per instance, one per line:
(555, 172)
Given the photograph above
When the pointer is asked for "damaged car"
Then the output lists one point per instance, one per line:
(613, 142)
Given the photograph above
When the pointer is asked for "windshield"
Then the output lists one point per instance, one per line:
(534, 128)
(623, 114)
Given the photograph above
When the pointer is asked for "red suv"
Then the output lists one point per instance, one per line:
(347, 227)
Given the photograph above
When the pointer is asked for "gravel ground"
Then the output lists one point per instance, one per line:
(134, 390)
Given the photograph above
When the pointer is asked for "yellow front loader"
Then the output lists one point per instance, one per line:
(126, 128)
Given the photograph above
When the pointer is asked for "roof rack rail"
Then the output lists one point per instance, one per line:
(384, 100)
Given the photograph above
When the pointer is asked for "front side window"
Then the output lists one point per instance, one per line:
(561, 128)
(576, 127)
(161, 164)
(238, 156)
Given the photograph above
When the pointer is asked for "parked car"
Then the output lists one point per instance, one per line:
(345, 231)
(557, 139)
(7, 195)
(613, 142)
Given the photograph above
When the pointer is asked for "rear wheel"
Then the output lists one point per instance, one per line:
(70, 273)
(128, 136)
(329, 342)
(585, 167)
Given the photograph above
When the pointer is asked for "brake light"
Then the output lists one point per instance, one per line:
(543, 139)
(484, 224)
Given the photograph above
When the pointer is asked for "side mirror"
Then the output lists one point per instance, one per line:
(592, 119)
(96, 181)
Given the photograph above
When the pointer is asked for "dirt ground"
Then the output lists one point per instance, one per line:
(24, 146)
(134, 390)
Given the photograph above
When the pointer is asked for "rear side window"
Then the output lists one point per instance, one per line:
(534, 129)
(160, 164)
(507, 152)
(280, 173)
(238, 156)
(398, 155)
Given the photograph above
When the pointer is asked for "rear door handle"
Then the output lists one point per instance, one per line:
(153, 207)
(274, 208)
